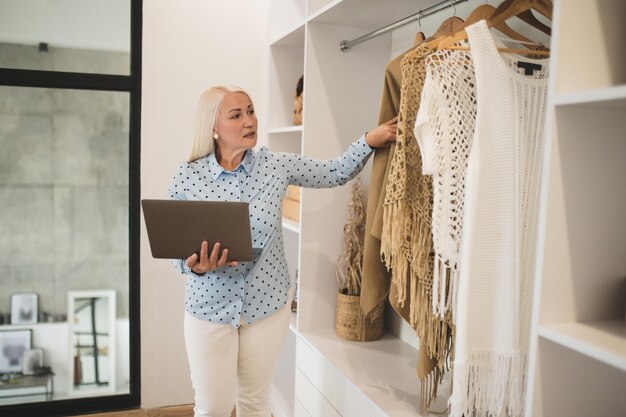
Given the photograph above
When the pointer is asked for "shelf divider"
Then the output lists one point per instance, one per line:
(604, 341)
(291, 225)
(286, 129)
(609, 98)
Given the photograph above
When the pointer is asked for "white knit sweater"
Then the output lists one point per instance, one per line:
(444, 129)
(497, 252)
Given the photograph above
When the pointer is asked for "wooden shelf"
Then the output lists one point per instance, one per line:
(291, 225)
(604, 341)
(287, 129)
(613, 98)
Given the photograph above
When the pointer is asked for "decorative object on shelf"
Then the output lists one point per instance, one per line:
(298, 102)
(78, 367)
(13, 344)
(32, 361)
(24, 308)
(349, 321)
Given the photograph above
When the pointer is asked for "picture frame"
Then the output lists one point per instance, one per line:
(32, 361)
(24, 308)
(13, 344)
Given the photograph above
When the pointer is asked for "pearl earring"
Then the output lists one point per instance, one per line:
(216, 136)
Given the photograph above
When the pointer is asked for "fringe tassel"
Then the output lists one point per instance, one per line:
(489, 383)
(392, 247)
(432, 329)
(445, 282)
(406, 250)
(428, 390)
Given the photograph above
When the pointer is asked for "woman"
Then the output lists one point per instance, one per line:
(237, 314)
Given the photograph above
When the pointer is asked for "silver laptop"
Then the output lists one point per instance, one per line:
(176, 228)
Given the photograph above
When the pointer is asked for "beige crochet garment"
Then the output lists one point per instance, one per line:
(406, 241)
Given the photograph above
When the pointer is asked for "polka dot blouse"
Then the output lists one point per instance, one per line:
(253, 290)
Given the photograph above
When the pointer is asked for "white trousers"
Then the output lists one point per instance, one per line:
(231, 364)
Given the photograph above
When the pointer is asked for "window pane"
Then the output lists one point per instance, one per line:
(91, 36)
(64, 178)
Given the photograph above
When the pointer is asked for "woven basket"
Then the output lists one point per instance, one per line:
(347, 317)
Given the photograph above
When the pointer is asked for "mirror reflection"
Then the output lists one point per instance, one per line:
(64, 178)
(92, 339)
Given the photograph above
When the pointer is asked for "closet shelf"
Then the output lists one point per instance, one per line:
(613, 98)
(291, 225)
(383, 370)
(293, 37)
(604, 341)
(372, 14)
(287, 129)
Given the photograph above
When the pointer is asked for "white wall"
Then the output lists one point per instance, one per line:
(188, 46)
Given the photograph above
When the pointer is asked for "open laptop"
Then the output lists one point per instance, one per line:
(176, 228)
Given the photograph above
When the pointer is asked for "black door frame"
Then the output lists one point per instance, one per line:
(100, 82)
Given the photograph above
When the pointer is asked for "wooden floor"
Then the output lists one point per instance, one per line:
(176, 411)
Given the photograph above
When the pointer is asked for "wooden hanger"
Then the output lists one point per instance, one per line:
(510, 8)
(497, 20)
(419, 38)
(483, 12)
(448, 26)
(530, 18)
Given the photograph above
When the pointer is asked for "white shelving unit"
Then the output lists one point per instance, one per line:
(578, 338)
(332, 377)
(578, 350)
(286, 50)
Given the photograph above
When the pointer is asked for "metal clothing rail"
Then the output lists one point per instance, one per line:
(442, 5)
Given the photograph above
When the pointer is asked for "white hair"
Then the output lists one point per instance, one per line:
(206, 118)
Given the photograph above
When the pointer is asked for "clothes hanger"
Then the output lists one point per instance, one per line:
(419, 36)
(450, 25)
(530, 18)
(484, 12)
(510, 8)
(513, 8)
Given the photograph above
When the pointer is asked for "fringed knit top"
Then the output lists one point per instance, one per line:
(498, 244)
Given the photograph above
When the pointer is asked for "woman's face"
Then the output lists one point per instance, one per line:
(236, 123)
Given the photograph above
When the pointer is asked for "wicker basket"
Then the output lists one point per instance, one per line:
(347, 318)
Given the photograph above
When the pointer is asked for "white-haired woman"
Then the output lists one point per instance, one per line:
(237, 314)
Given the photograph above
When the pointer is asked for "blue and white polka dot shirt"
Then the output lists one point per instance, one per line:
(253, 290)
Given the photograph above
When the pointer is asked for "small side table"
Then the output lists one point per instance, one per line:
(16, 381)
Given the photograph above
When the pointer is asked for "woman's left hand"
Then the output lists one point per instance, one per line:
(383, 135)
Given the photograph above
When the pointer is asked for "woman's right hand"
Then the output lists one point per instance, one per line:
(383, 135)
(208, 263)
